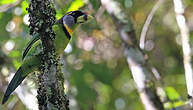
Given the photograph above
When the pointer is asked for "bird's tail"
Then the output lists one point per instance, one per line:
(15, 82)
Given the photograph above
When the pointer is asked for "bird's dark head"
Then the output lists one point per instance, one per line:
(78, 16)
(73, 18)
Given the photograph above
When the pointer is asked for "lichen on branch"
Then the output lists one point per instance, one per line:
(50, 87)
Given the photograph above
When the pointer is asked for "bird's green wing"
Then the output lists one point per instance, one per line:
(11, 87)
(29, 65)
(29, 45)
(35, 38)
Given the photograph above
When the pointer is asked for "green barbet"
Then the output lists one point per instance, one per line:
(63, 28)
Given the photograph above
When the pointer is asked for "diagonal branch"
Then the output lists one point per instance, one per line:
(135, 57)
(147, 23)
(4, 8)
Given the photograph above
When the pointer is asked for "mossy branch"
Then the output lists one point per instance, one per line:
(50, 91)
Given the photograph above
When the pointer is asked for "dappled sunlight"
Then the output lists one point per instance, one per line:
(10, 26)
(5, 71)
(97, 65)
(26, 19)
(120, 103)
(9, 45)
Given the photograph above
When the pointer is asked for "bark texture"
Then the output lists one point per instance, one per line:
(51, 94)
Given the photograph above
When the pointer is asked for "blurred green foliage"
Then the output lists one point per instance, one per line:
(2, 2)
(24, 5)
(174, 97)
(75, 5)
(95, 69)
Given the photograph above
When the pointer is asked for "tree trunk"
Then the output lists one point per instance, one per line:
(51, 94)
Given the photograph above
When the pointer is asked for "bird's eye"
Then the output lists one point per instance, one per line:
(85, 17)
(72, 14)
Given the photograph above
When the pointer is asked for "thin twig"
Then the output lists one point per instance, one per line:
(147, 23)
(185, 36)
(4, 8)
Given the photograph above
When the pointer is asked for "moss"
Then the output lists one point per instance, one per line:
(50, 86)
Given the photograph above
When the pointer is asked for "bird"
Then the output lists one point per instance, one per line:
(31, 59)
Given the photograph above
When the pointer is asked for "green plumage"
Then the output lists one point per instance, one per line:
(31, 56)
(31, 59)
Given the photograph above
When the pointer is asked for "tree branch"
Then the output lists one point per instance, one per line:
(185, 36)
(4, 8)
(135, 57)
(51, 90)
(147, 23)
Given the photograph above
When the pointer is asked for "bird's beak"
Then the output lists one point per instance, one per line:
(89, 17)
(84, 18)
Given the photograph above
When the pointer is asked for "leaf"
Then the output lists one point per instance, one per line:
(76, 4)
(174, 105)
(172, 93)
(178, 103)
(24, 5)
(3, 2)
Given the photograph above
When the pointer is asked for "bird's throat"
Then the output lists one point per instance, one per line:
(70, 31)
